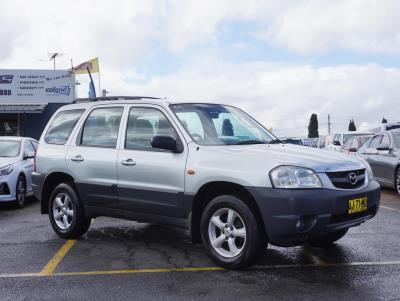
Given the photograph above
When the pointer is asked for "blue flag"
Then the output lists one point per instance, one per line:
(92, 92)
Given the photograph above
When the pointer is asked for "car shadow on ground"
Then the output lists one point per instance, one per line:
(9, 206)
(132, 245)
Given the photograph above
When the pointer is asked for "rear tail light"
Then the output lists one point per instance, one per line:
(34, 159)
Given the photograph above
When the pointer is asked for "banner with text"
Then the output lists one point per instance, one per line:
(36, 86)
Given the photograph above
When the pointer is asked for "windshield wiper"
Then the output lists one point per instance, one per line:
(254, 141)
(274, 141)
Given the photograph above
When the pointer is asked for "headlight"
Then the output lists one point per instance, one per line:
(6, 170)
(294, 177)
(369, 171)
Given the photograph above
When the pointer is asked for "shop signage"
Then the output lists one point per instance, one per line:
(36, 86)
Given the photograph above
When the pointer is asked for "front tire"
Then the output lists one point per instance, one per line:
(66, 213)
(230, 233)
(397, 180)
(327, 240)
(20, 192)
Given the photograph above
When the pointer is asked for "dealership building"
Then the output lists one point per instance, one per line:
(28, 98)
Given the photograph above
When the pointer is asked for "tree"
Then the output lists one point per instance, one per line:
(352, 126)
(313, 126)
(227, 128)
(384, 120)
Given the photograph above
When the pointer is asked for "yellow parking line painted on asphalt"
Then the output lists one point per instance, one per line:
(390, 208)
(20, 275)
(137, 271)
(55, 261)
(201, 269)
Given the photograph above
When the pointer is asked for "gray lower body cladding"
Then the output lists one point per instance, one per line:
(294, 216)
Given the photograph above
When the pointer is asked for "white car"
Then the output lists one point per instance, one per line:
(339, 139)
(16, 166)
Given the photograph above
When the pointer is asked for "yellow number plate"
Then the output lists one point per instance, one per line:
(357, 205)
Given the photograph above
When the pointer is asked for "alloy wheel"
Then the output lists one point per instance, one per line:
(63, 211)
(398, 180)
(227, 232)
(21, 191)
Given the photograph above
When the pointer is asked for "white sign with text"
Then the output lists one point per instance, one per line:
(36, 86)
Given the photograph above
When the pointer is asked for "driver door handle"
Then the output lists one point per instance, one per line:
(77, 158)
(128, 162)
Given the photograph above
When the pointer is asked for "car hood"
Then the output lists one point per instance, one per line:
(287, 154)
(4, 161)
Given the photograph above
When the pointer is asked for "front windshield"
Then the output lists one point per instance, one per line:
(210, 124)
(9, 148)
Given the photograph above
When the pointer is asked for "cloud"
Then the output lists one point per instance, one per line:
(318, 26)
(126, 33)
(280, 96)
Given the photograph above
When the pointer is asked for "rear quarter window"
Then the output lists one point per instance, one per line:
(62, 125)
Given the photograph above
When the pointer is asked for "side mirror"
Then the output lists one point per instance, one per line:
(337, 143)
(166, 143)
(29, 155)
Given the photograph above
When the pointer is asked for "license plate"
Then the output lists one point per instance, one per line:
(357, 205)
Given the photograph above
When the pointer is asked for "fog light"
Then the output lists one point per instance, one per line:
(306, 222)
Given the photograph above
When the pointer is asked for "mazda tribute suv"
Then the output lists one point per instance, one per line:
(210, 168)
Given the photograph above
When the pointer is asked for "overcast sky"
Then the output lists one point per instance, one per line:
(278, 60)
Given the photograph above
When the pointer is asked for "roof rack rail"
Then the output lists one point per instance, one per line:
(78, 100)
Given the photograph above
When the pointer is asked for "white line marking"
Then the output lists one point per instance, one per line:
(390, 208)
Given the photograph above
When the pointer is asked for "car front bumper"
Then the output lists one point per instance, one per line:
(295, 216)
(8, 184)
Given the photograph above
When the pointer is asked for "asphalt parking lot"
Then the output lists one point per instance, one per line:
(126, 260)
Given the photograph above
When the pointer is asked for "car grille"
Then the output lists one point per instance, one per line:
(345, 179)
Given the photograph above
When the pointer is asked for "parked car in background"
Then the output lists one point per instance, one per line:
(353, 144)
(339, 139)
(16, 166)
(390, 126)
(321, 141)
(382, 152)
(295, 141)
(311, 142)
(210, 168)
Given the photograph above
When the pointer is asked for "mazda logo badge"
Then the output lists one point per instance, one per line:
(352, 178)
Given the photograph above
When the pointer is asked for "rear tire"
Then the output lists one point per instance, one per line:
(66, 213)
(230, 233)
(397, 180)
(20, 192)
(327, 240)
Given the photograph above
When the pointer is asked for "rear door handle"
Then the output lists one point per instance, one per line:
(128, 162)
(77, 158)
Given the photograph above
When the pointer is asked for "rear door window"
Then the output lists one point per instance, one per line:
(62, 125)
(28, 148)
(101, 127)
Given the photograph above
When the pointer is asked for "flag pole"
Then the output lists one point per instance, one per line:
(98, 65)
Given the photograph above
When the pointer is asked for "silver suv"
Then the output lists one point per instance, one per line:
(210, 168)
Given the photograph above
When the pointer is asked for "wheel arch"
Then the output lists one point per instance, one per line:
(51, 181)
(211, 190)
(396, 170)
